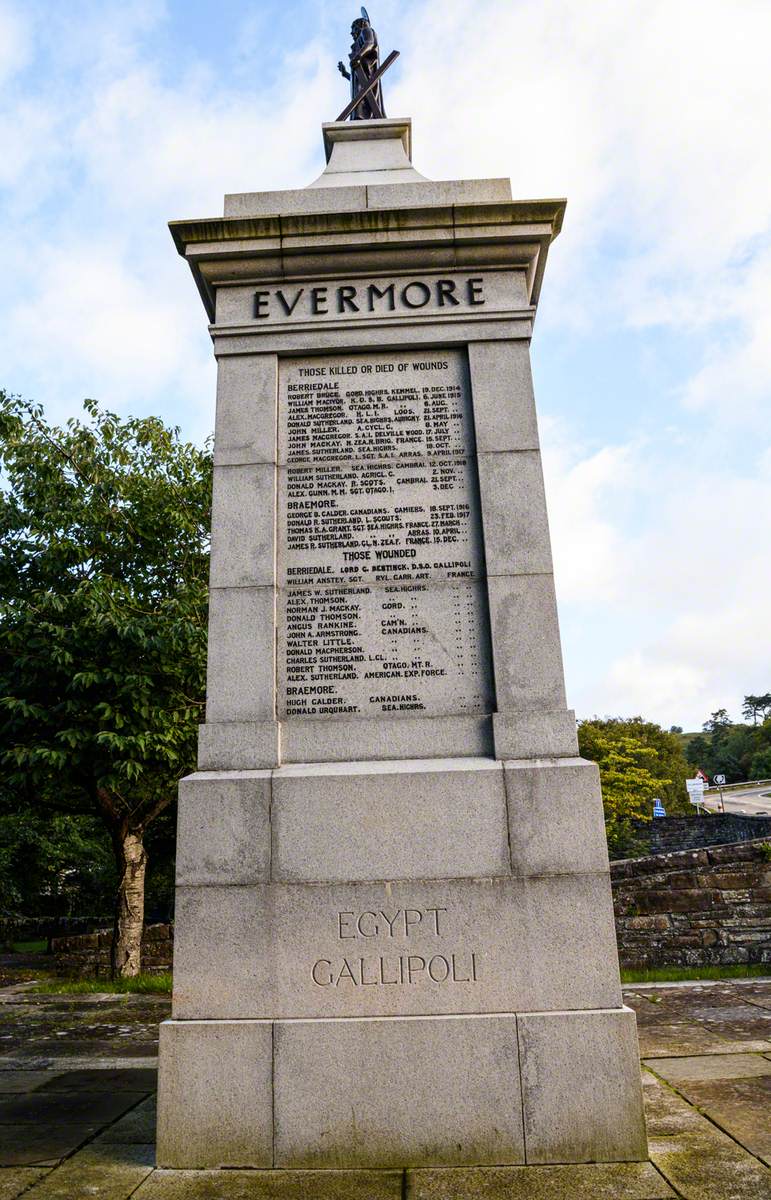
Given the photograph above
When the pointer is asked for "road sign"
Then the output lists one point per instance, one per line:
(718, 779)
(658, 809)
(695, 789)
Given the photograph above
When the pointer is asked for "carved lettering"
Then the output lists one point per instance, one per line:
(371, 298)
(380, 560)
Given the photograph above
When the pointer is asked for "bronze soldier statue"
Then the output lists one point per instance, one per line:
(365, 61)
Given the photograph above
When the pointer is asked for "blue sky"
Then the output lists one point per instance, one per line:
(652, 351)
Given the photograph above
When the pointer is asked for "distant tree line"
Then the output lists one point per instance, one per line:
(740, 751)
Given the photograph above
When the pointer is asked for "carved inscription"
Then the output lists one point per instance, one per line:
(440, 965)
(383, 607)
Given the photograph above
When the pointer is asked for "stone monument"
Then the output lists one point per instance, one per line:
(394, 929)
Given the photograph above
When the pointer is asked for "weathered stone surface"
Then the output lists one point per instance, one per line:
(31, 1145)
(295, 201)
(339, 740)
(272, 1185)
(313, 950)
(538, 734)
(15, 1180)
(215, 1079)
(240, 673)
(502, 387)
(516, 528)
(408, 820)
(527, 658)
(223, 828)
(709, 1067)
(110, 1172)
(580, 1087)
(442, 191)
(242, 549)
(562, 795)
(137, 1127)
(740, 1106)
(697, 914)
(238, 745)
(699, 1160)
(245, 430)
(396, 1093)
(597, 1181)
(46, 1109)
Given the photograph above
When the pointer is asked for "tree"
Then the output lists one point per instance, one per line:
(756, 706)
(638, 762)
(103, 578)
(717, 722)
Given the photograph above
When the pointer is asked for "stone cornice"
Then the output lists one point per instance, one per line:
(225, 250)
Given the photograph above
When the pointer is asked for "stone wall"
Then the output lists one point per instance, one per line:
(696, 907)
(664, 835)
(33, 929)
(88, 955)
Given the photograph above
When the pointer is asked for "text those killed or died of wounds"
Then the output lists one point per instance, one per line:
(383, 602)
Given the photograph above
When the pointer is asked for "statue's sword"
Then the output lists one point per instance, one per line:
(392, 57)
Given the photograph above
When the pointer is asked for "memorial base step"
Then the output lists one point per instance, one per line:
(379, 1093)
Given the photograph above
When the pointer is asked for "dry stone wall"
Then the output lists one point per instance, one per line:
(88, 955)
(665, 835)
(696, 907)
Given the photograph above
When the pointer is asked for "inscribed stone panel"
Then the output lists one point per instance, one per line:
(383, 605)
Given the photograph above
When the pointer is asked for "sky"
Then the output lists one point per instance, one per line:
(652, 345)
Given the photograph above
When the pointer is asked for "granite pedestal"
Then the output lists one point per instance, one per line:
(394, 928)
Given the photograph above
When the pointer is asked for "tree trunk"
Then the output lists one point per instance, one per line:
(130, 908)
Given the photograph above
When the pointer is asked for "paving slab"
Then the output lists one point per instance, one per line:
(15, 1180)
(596, 1181)
(111, 1173)
(137, 1126)
(44, 1026)
(709, 1066)
(741, 1107)
(757, 993)
(48, 1109)
(129, 1080)
(32, 1146)
(696, 1158)
(682, 1039)
(15, 1082)
(87, 1062)
(271, 1185)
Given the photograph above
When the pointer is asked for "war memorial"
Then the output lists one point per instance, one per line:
(394, 929)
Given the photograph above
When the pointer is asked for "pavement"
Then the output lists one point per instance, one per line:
(77, 1111)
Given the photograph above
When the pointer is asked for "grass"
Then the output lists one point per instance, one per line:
(140, 984)
(38, 947)
(676, 974)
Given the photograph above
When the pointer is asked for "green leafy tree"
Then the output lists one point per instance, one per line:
(638, 762)
(103, 578)
(717, 723)
(755, 707)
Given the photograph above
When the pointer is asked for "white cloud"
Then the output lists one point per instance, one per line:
(652, 116)
(683, 583)
(15, 41)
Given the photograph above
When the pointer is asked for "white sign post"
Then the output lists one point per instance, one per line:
(696, 791)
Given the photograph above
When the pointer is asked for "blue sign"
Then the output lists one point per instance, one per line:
(658, 809)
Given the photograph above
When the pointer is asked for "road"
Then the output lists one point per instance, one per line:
(752, 801)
